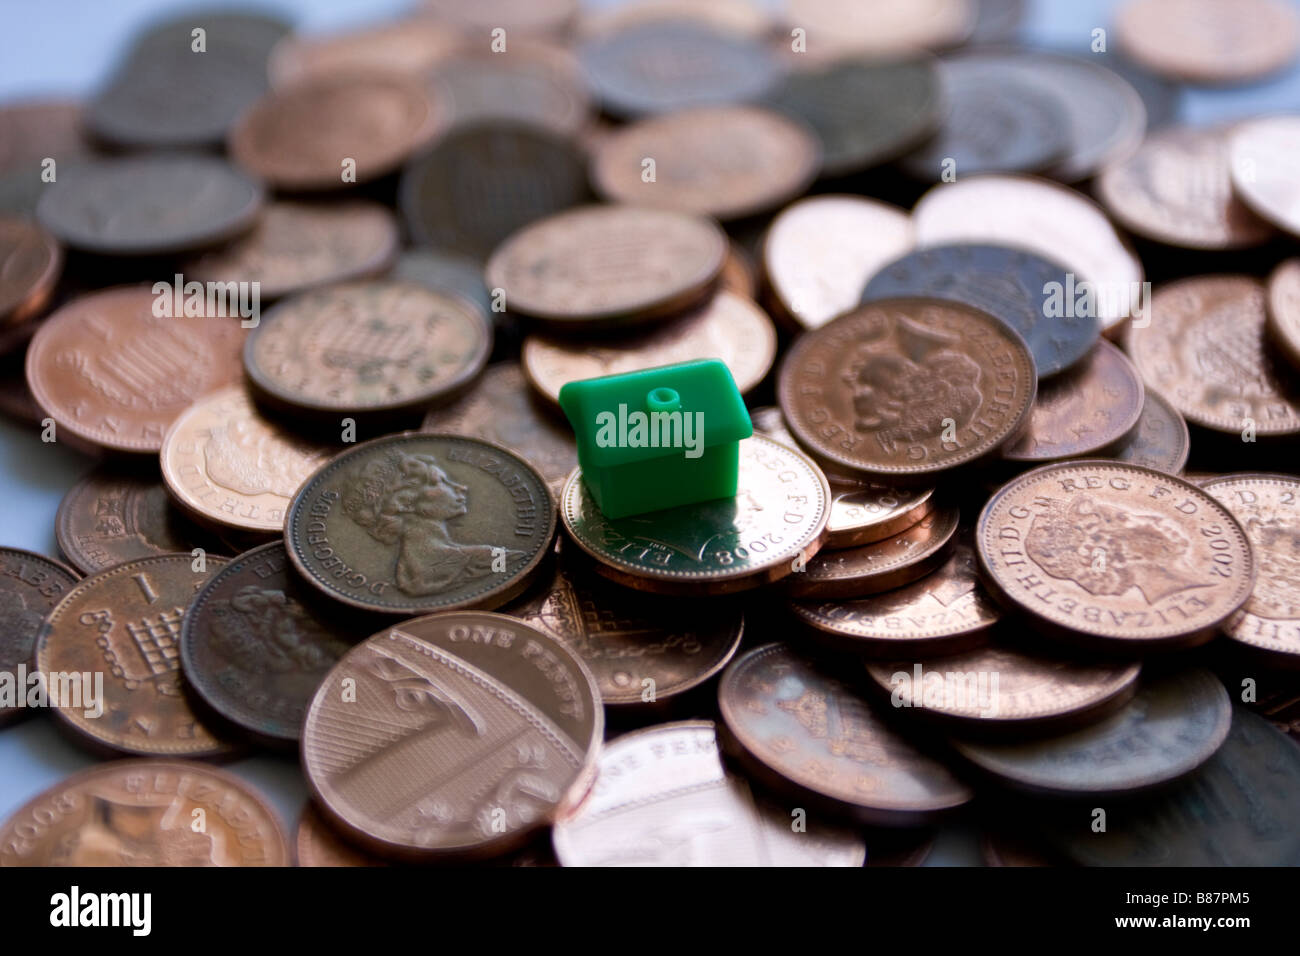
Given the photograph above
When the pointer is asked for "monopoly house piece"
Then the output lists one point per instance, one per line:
(658, 438)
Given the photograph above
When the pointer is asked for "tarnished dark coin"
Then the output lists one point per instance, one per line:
(115, 515)
(125, 623)
(479, 185)
(774, 524)
(411, 47)
(317, 843)
(381, 346)
(1159, 441)
(662, 797)
(299, 245)
(143, 813)
(30, 587)
(1089, 408)
(528, 82)
(501, 408)
(907, 388)
(32, 130)
(1171, 726)
(413, 523)
(452, 735)
(1264, 165)
(880, 566)
(728, 162)
(443, 271)
(666, 66)
(945, 612)
(610, 264)
(865, 111)
(254, 647)
(1283, 319)
(1115, 554)
(640, 650)
(150, 205)
(1029, 292)
(797, 728)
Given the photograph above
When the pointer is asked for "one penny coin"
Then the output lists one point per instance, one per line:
(30, 263)
(30, 587)
(317, 843)
(410, 47)
(1283, 310)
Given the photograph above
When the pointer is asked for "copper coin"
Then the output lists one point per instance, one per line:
(997, 687)
(819, 253)
(112, 373)
(1203, 41)
(1206, 350)
(411, 47)
(1159, 441)
(30, 586)
(1045, 218)
(723, 161)
(501, 409)
(125, 624)
(1283, 318)
(640, 650)
(479, 17)
(1171, 726)
(529, 82)
(380, 346)
(797, 727)
(150, 205)
(1176, 189)
(452, 735)
(739, 275)
(142, 813)
(728, 327)
(1090, 407)
(115, 515)
(31, 130)
(1268, 507)
(413, 523)
(662, 797)
(1265, 169)
(774, 524)
(299, 245)
(861, 511)
(907, 388)
(881, 566)
(30, 263)
(316, 843)
(835, 27)
(608, 264)
(945, 612)
(254, 648)
(1115, 554)
(226, 465)
(312, 135)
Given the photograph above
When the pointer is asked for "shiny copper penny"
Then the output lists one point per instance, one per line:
(819, 253)
(1159, 441)
(1266, 170)
(112, 373)
(227, 465)
(728, 327)
(411, 47)
(299, 245)
(944, 612)
(143, 813)
(1205, 349)
(331, 132)
(31, 130)
(1115, 554)
(30, 587)
(880, 566)
(1172, 725)
(477, 18)
(1268, 507)
(125, 623)
(774, 524)
(662, 797)
(1203, 41)
(997, 687)
(414, 523)
(452, 735)
(373, 347)
(30, 263)
(640, 650)
(724, 161)
(1082, 411)
(317, 843)
(1283, 318)
(836, 27)
(807, 733)
(907, 388)
(1177, 189)
(600, 265)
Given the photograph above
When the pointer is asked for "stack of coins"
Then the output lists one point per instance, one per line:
(307, 301)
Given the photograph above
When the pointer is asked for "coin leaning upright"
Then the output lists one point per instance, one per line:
(413, 523)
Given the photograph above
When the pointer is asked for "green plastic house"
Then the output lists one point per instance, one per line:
(658, 438)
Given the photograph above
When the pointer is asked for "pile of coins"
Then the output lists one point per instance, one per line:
(965, 575)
